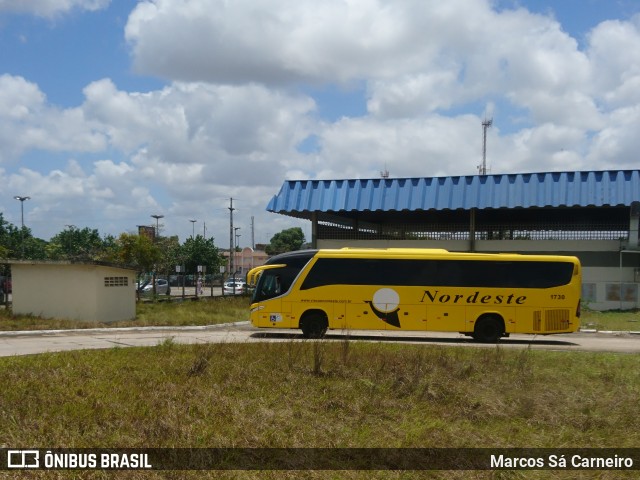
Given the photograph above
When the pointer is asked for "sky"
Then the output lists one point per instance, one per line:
(112, 111)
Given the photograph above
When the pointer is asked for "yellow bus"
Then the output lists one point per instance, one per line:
(485, 296)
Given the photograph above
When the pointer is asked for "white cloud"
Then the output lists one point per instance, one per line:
(361, 148)
(28, 122)
(19, 98)
(277, 41)
(616, 145)
(614, 53)
(417, 56)
(226, 132)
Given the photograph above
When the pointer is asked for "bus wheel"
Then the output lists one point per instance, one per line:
(488, 329)
(314, 325)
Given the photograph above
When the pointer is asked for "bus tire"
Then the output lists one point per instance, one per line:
(488, 329)
(314, 324)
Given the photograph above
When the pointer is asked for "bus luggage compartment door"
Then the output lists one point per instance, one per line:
(445, 318)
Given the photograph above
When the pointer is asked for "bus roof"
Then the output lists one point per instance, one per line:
(413, 253)
(437, 253)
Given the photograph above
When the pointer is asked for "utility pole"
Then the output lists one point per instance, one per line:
(482, 169)
(253, 232)
(231, 232)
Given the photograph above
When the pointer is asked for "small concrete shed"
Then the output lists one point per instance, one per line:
(97, 292)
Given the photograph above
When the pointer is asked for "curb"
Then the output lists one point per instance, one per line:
(609, 332)
(21, 333)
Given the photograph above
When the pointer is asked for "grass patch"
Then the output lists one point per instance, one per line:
(626, 320)
(321, 394)
(202, 312)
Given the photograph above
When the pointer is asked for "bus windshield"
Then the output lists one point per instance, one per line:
(269, 285)
(278, 274)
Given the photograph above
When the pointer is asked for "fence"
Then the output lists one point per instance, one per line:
(449, 231)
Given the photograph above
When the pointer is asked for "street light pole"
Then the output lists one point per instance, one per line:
(22, 199)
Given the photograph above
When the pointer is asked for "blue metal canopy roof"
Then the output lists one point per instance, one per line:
(520, 190)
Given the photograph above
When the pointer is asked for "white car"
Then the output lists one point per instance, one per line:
(237, 287)
(162, 288)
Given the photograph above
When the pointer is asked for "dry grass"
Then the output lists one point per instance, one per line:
(176, 313)
(317, 394)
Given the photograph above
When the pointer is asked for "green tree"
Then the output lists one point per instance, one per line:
(79, 245)
(171, 254)
(9, 239)
(18, 242)
(109, 251)
(201, 251)
(5, 245)
(286, 241)
(34, 248)
(138, 251)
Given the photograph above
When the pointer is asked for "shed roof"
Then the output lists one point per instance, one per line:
(11, 261)
(611, 188)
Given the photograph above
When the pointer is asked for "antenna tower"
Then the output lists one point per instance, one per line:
(482, 169)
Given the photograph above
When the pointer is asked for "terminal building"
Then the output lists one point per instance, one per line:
(593, 215)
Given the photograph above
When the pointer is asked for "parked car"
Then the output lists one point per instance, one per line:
(162, 288)
(237, 287)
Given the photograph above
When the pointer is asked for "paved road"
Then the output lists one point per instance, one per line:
(25, 343)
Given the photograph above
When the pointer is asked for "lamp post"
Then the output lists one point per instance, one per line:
(193, 228)
(22, 199)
